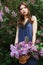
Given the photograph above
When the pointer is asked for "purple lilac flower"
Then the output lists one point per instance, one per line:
(41, 52)
(14, 14)
(23, 52)
(12, 47)
(12, 54)
(42, 34)
(7, 9)
(21, 48)
(16, 54)
(1, 19)
(29, 43)
(33, 48)
(14, 51)
(38, 41)
(1, 12)
(29, 1)
(27, 46)
(16, 45)
(36, 56)
(22, 43)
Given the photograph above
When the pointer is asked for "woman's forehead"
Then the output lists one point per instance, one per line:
(22, 6)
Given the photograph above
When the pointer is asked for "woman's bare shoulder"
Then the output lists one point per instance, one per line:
(34, 18)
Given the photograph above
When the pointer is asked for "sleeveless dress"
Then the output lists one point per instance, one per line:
(26, 31)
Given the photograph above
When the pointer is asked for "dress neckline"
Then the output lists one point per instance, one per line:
(24, 26)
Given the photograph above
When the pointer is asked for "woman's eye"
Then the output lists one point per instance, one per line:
(20, 8)
(24, 7)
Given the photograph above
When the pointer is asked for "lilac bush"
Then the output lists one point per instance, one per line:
(6, 9)
(14, 14)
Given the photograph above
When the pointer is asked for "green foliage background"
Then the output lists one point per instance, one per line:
(8, 29)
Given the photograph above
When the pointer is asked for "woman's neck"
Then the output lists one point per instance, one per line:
(25, 17)
(25, 21)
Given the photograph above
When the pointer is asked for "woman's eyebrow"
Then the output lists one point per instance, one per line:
(21, 7)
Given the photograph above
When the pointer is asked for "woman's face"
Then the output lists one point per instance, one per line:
(23, 10)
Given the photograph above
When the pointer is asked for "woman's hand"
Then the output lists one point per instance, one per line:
(33, 44)
(15, 43)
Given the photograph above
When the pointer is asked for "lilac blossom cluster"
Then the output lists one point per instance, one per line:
(24, 48)
(6, 10)
(1, 14)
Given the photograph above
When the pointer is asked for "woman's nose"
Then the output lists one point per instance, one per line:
(23, 9)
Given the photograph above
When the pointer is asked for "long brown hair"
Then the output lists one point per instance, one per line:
(21, 17)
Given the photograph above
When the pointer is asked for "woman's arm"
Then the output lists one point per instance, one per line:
(34, 29)
(16, 39)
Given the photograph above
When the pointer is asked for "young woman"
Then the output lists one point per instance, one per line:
(26, 26)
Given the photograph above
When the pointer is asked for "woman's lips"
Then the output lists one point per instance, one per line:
(23, 12)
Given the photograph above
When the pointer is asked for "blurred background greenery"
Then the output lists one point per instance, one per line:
(8, 19)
